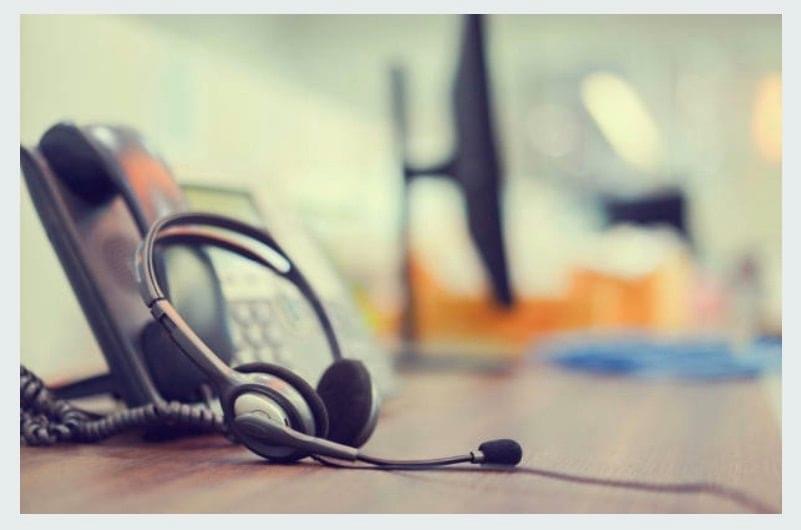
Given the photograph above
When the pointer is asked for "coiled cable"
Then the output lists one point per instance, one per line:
(47, 420)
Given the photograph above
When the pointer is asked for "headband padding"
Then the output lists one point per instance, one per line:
(298, 383)
(347, 391)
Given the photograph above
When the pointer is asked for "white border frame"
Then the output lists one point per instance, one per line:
(10, 196)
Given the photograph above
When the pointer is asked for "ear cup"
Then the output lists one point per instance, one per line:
(298, 383)
(173, 374)
(347, 391)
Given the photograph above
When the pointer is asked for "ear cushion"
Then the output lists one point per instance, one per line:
(174, 375)
(347, 391)
(312, 399)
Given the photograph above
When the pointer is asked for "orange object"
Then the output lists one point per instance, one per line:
(657, 300)
(443, 316)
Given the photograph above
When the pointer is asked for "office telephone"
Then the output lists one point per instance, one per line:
(139, 264)
(95, 229)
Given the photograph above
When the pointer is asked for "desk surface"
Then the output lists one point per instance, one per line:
(701, 447)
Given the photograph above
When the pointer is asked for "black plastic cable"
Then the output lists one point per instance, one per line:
(389, 465)
(402, 464)
(47, 420)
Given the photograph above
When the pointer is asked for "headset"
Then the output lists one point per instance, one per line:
(273, 411)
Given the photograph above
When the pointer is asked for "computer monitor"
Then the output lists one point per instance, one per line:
(475, 164)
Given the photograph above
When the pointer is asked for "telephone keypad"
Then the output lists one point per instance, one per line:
(255, 333)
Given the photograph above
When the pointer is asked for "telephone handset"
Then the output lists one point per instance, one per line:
(97, 189)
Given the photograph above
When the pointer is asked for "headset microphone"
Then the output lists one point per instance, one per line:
(504, 452)
(260, 426)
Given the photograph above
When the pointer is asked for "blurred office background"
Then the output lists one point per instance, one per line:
(588, 110)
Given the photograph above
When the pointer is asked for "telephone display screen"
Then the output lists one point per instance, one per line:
(232, 203)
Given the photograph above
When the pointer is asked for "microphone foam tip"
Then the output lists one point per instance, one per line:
(506, 452)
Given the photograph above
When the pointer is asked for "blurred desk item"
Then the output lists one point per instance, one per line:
(462, 321)
(664, 208)
(613, 288)
(691, 447)
(645, 356)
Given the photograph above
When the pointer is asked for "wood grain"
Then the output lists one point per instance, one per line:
(712, 447)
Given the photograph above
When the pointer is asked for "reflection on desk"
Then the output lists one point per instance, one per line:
(689, 447)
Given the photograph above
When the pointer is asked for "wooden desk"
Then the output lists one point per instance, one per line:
(722, 434)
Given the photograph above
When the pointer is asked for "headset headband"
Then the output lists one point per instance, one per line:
(192, 228)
